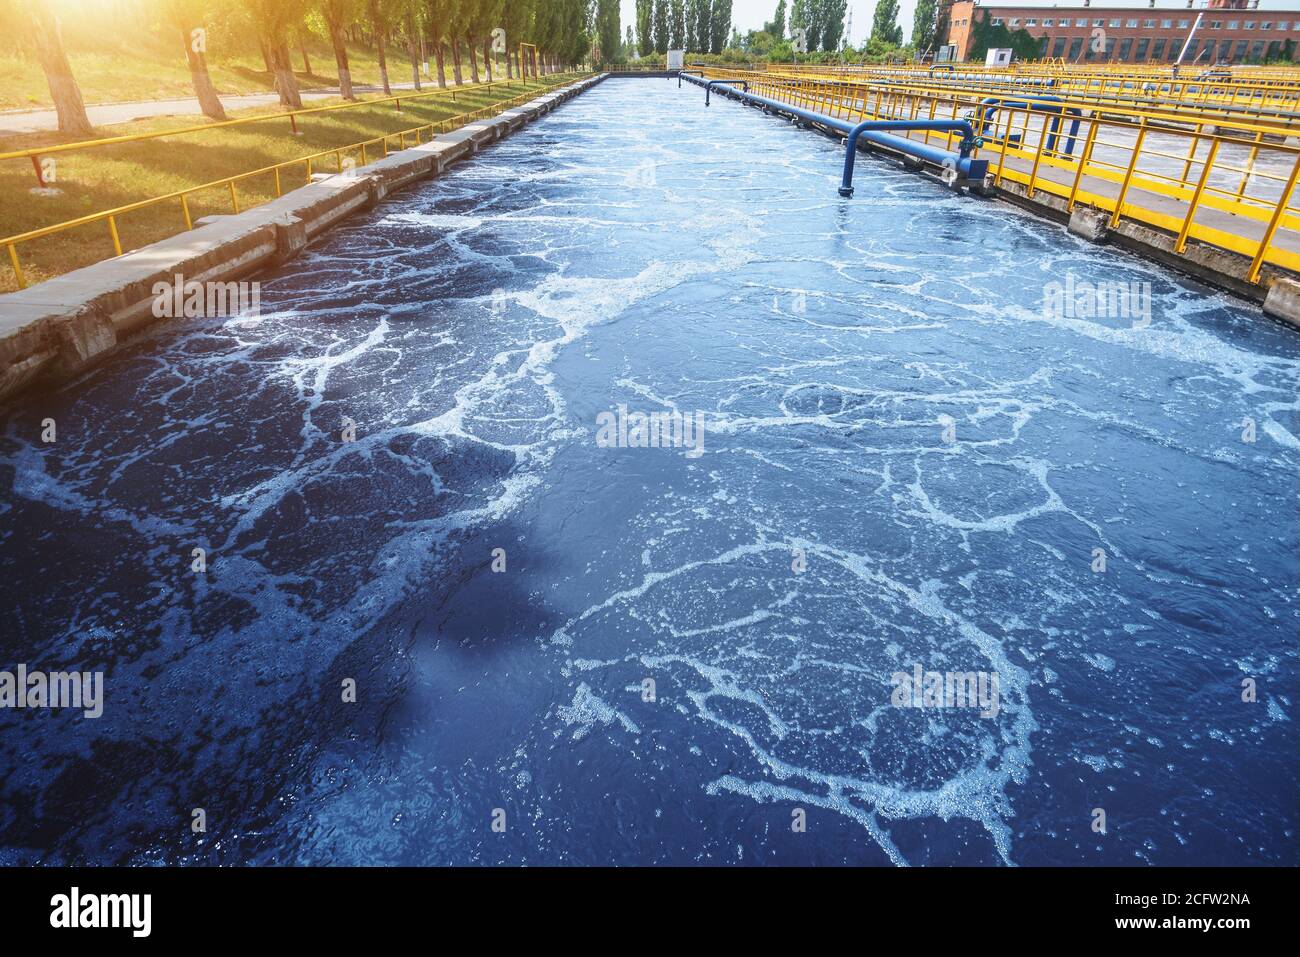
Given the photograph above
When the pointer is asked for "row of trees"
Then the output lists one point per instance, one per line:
(821, 24)
(441, 30)
(697, 26)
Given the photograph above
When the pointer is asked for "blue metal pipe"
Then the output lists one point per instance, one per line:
(942, 157)
(708, 87)
(993, 103)
(874, 131)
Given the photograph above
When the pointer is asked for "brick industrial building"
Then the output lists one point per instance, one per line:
(1231, 31)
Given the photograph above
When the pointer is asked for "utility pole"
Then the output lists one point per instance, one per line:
(848, 35)
(1186, 43)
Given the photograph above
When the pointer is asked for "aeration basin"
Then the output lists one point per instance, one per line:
(626, 487)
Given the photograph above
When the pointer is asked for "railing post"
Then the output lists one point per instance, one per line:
(1258, 262)
(1083, 162)
(1038, 154)
(1128, 174)
(18, 270)
(1196, 197)
(112, 231)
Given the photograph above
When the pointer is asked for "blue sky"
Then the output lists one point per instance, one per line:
(751, 14)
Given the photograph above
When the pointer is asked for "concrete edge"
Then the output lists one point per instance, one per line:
(58, 329)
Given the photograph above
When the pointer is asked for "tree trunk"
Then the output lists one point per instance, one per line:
(473, 57)
(442, 65)
(455, 60)
(380, 29)
(286, 84)
(487, 57)
(58, 73)
(306, 63)
(341, 58)
(266, 54)
(209, 102)
(510, 65)
(413, 52)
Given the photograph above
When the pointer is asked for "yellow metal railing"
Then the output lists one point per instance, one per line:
(1196, 178)
(111, 216)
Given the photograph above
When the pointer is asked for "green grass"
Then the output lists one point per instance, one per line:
(111, 176)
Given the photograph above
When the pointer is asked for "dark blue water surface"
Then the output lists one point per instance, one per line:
(636, 249)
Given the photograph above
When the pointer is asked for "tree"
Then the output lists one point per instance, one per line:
(719, 25)
(517, 18)
(48, 38)
(185, 16)
(338, 15)
(776, 28)
(644, 29)
(437, 23)
(608, 29)
(986, 36)
(703, 25)
(412, 19)
(378, 12)
(274, 19)
(804, 16)
(832, 12)
(677, 25)
(661, 26)
(925, 25)
(884, 25)
(486, 18)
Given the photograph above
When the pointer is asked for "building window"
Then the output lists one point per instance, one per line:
(1148, 24)
(1083, 23)
(1216, 24)
(1281, 24)
(1248, 25)
(1031, 22)
(1266, 25)
(1158, 50)
(1131, 24)
(997, 21)
(1166, 24)
(1241, 50)
(1015, 21)
(1058, 48)
(1125, 48)
(1076, 45)
(1183, 24)
(1098, 23)
(1114, 23)
(1257, 49)
(1232, 24)
(1143, 45)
